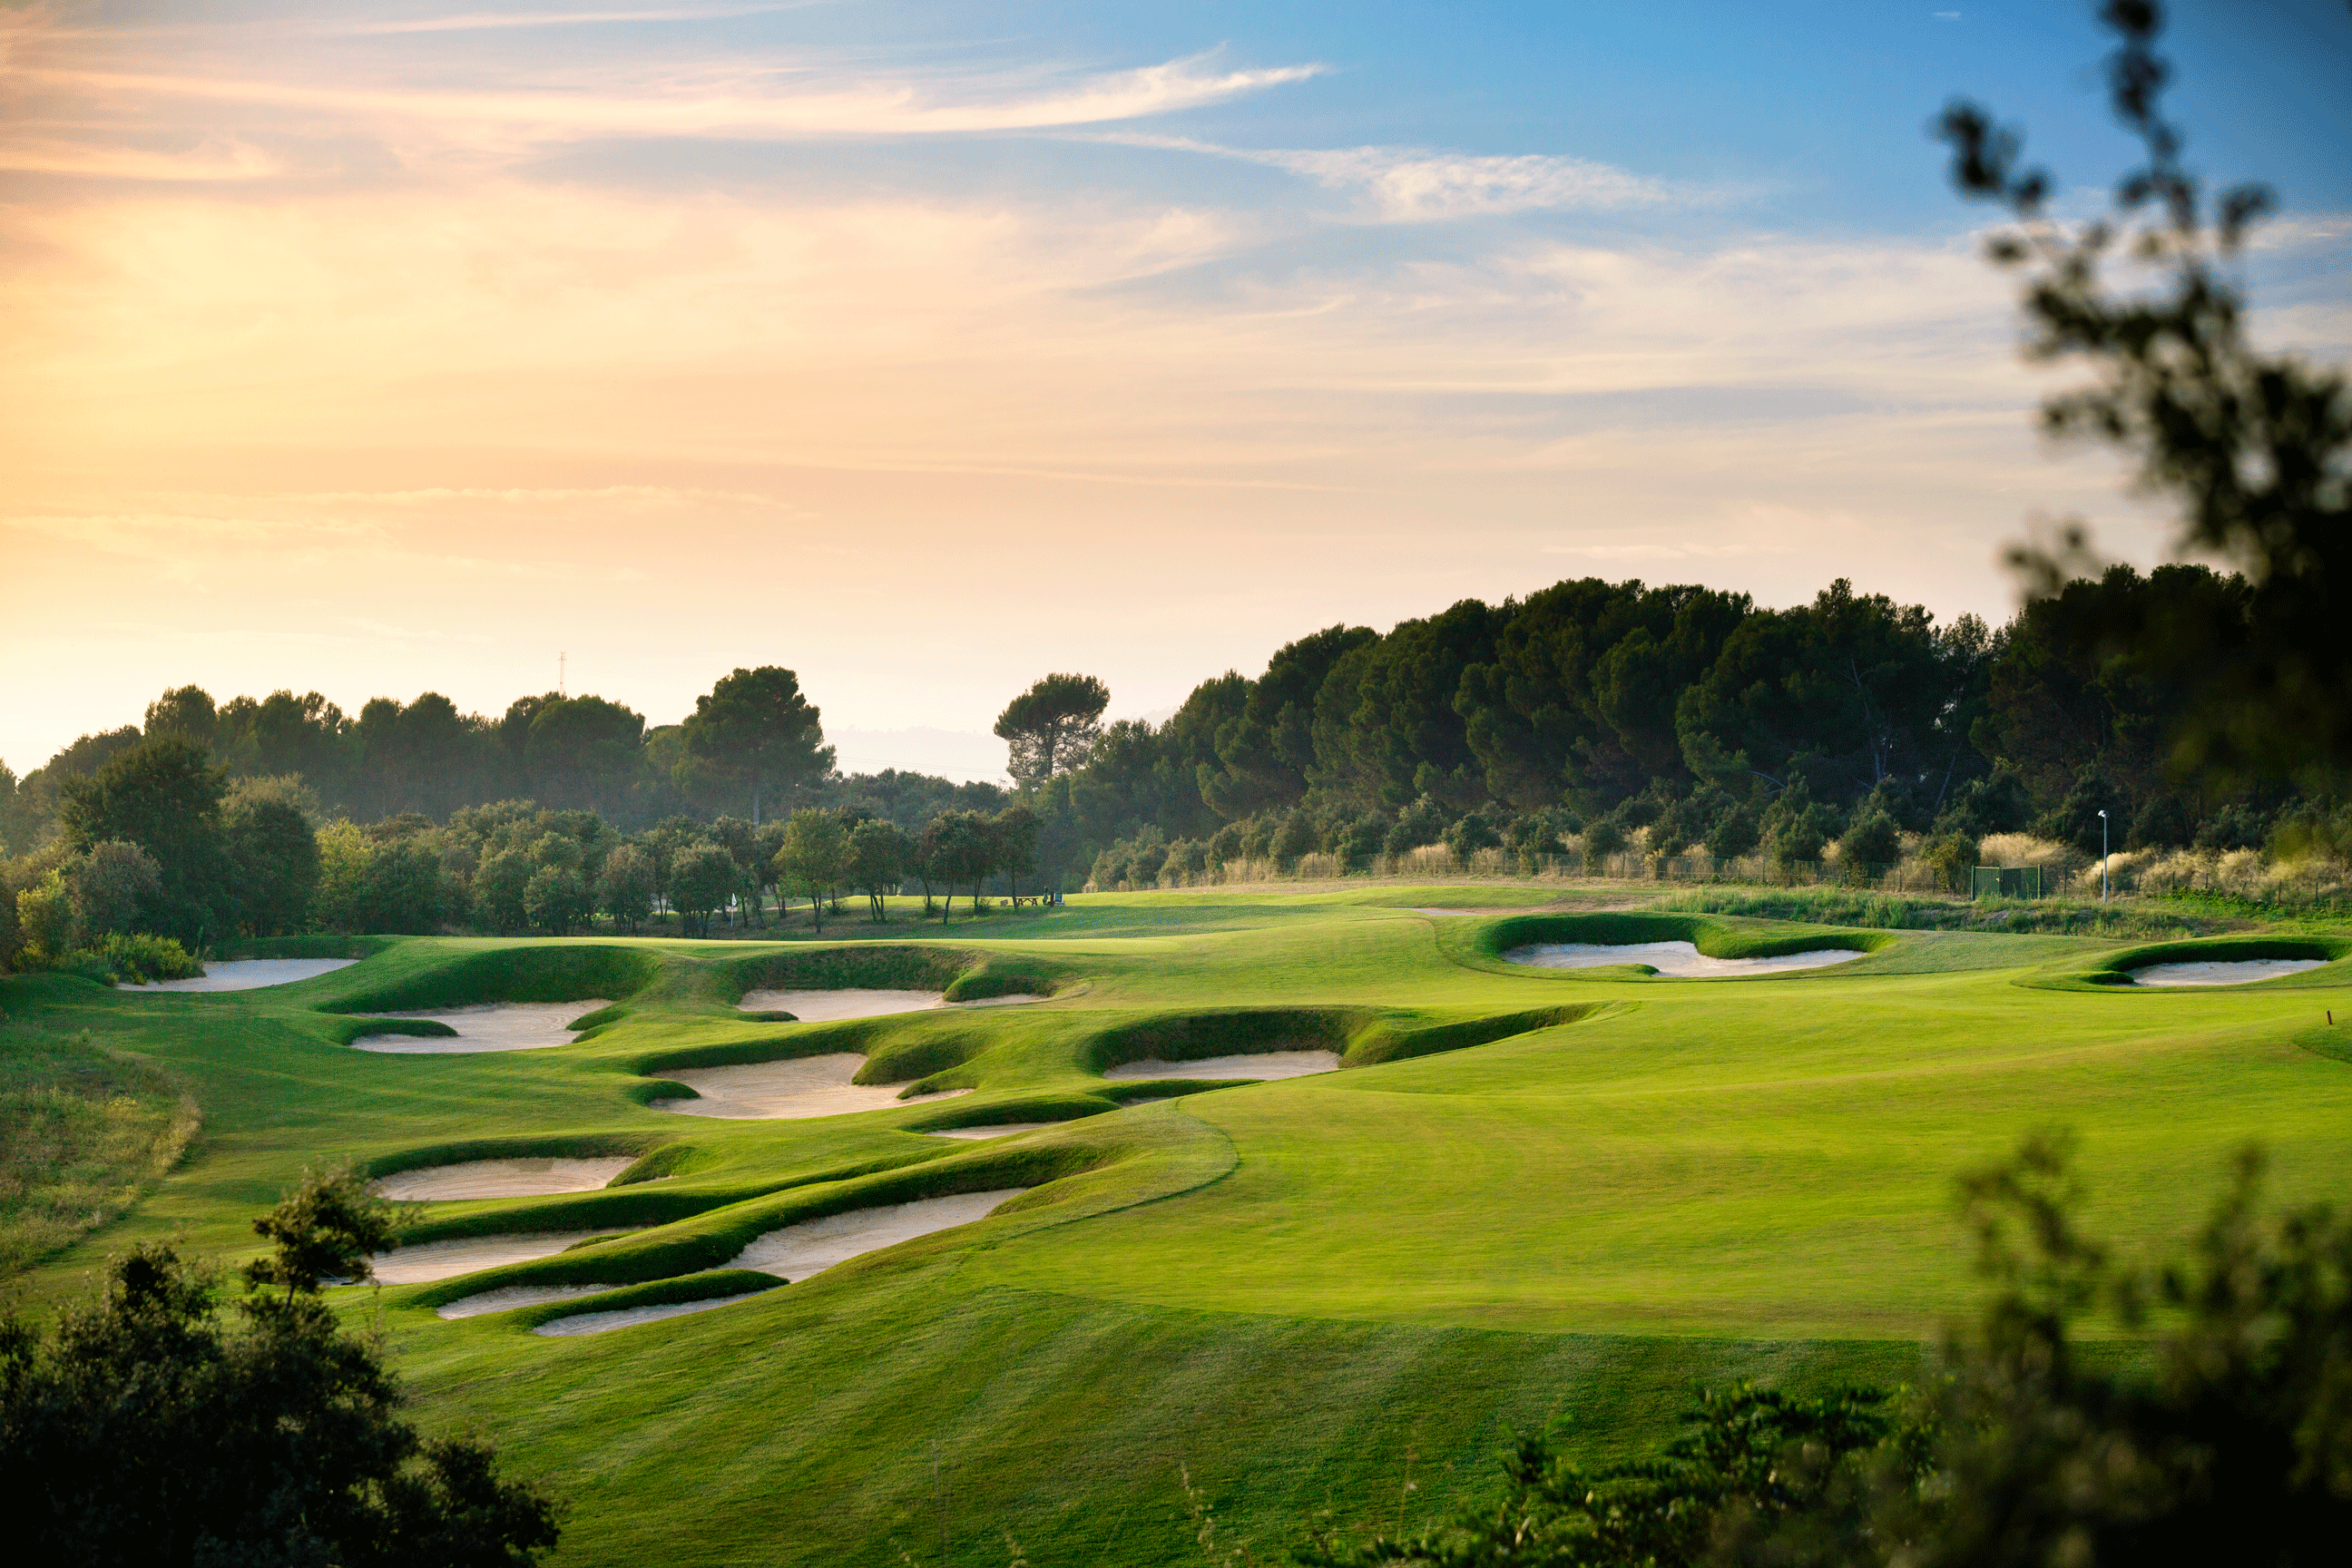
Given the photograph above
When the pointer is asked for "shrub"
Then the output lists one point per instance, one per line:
(1873, 839)
(111, 885)
(141, 959)
(145, 1428)
(557, 900)
(1470, 834)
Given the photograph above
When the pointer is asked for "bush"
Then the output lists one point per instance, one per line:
(2235, 826)
(1735, 834)
(1873, 839)
(557, 900)
(143, 959)
(111, 886)
(147, 1429)
(1470, 834)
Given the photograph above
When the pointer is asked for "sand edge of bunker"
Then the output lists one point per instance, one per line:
(2329, 960)
(1484, 944)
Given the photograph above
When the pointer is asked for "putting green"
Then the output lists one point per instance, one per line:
(1530, 1195)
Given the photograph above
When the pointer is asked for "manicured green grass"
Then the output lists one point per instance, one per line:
(1531, 1194)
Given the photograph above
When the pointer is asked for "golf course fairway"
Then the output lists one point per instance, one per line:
(1529, 1195)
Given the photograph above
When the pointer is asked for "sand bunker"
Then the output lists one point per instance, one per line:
(1000, 1130)
(787, 1090)
(491, 1026)
(600, 1322)
(1259, 1065)
(501, 1179)
(813, 1245)
(513, 1295)
(447, 1260)
(1681, 959)
(250, 974)
(826, 1006)
(2235, 971)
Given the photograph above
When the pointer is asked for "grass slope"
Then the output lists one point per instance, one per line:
(1531, 1194)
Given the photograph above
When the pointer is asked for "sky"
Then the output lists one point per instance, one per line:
(393, 346)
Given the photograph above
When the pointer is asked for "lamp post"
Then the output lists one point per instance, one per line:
(2103, 857)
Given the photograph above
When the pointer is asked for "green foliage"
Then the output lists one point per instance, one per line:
(755, 726)
(111, 885)
(878, 853)
(1872, 839)
(139, 958)
(326, 1229)
(275, 852)
(625, 888)
(557, 900)
(2252, 448)
(146, 1430)
(163, 796)
(816, 856)
(1051, 727)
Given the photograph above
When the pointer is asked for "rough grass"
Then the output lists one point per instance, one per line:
(83, 1133)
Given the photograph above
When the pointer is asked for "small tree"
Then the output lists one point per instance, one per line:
(1871, 839)
(702, 878)
(1014, 833)
(556, 900)
(755, 726)
(111, 886)
(275, 852)
(814, 857)
(879, 851)
(499, 883)
(146, 1429)
(1051, 728)
(625, 887)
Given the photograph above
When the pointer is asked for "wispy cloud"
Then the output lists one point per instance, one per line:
(479, 21)
(222, 159)
(772, 101)
(1417, 184)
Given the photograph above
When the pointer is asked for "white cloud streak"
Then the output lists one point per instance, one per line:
(1417, 184)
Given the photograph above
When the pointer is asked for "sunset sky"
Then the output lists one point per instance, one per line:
(926, 348)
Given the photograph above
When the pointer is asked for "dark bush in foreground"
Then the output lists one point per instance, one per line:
(154, 1428)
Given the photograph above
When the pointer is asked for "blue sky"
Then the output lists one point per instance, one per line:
(926, 348)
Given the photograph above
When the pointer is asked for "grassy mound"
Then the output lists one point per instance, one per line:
(84, 1131)
(711, 1287)
(2114, 969)
(551, 971)
(1485, 944)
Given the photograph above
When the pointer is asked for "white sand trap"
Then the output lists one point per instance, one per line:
(998, 1130)
(490, 1026)
(250, 974)
(446, 1260)
(826, 1006)
(1680, 959)
(787, 1090)
(800, 1250)
(513, 1295)
(628, 1317)
(1260, 1064)
(2235, 971)
(501, 1179)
